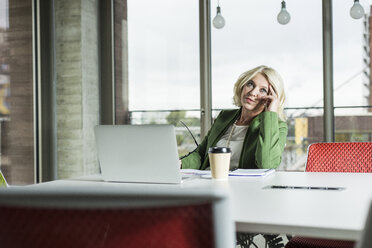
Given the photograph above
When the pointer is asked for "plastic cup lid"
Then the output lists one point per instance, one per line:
(219, 149)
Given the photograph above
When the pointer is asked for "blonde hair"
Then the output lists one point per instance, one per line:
(274, 79)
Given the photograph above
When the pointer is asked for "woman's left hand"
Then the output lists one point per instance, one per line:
(272, 101)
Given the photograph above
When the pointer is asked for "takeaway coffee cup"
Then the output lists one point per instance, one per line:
(219, 159)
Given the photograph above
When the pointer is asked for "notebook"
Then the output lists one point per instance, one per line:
(138, 153)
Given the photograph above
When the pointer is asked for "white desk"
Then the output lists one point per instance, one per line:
(337, 214)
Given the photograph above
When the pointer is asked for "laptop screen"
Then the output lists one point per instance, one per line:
(138, 153)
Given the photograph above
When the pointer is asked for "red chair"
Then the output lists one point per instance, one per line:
(88, 217)
(339, 157)
(334, 157)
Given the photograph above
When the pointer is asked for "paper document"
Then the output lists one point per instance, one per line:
(195, 172)
(251, 172)
(237, 172)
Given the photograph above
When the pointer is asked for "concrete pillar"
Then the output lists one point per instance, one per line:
(77, 86)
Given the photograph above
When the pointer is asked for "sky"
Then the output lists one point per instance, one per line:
(4, 22)
(163, 46)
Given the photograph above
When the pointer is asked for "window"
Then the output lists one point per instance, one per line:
(158, 81)
(253, 37)
(16, 92)
(352, 79)
(162, 79)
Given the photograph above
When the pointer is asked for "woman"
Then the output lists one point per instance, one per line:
(256, 132)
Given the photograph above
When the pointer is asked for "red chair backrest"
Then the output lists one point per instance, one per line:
(178, 226)
(339, 157)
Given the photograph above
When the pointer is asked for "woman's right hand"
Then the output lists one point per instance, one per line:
(260, 107)
(267, 103)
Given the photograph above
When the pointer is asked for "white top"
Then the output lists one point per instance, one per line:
(236, 143)
(257, 208)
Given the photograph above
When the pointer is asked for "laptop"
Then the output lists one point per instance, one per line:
(138, 153)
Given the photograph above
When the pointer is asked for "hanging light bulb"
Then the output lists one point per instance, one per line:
(357, 10)
(283, 17)
(218, 20)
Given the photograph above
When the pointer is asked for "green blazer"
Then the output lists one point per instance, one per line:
(262, 147)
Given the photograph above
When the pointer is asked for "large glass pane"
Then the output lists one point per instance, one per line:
(16, 91)
(352, 79)
(251, 37)
(159, 74)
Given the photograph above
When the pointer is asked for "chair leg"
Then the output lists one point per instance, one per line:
(255, 240)
(245, 240)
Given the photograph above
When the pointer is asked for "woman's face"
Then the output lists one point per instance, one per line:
(253, 90)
